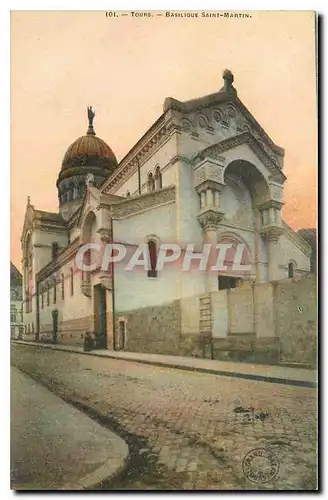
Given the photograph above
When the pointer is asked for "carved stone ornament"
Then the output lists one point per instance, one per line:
(203, 121)
(210, 219)
(276, 191)
(208, 172)
(105, 235)
(143, 202)
(272, 232)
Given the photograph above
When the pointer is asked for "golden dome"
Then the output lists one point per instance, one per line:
(89, 149)
(86, 155)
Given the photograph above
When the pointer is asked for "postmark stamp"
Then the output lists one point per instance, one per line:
(260, 465)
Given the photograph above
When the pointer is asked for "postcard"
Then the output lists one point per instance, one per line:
(163, 251)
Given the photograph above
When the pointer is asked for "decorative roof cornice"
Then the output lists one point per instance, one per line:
(143, 202)
(216, 150)
(220, 98)
(158, 133)
(264, 136)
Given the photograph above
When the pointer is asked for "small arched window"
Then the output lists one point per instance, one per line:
(158, 178)
(128, 194)
(291, 270)
(72, 281)
(62, 287)
(151, 182)
(152, 248)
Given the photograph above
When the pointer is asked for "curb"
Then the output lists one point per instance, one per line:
(177, 366)
(110, 469)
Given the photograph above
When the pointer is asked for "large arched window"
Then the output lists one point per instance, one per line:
(152, 248)
(42, 297)
(291, 270)
(151, 182)
(48, 295)
(158, 178)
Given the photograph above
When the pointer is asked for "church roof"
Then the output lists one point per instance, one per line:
(163, 126)
(227, 93)
(51, 216)
(15, 276)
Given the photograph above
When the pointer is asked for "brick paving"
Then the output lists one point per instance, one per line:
(186, 430)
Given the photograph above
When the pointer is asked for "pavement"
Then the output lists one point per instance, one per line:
(55, 446)
(187, 430)
(278, 374)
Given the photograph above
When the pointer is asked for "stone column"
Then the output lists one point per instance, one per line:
(209, 198)
(216, 199)
(271, 229)
(278, 215)
(271, 216)
(104, 223)
(210, 221)
(202, 199)
(272, 248)
(272, 238)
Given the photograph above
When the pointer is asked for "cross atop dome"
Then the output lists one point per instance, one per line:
(91, 115)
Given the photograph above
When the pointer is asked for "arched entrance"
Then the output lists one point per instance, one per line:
(252, 179)
(255, 193)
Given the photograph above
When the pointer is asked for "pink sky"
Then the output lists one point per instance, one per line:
(125, 67)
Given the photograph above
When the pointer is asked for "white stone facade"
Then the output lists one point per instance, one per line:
(204, 172)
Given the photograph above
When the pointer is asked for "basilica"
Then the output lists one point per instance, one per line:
(205, 171)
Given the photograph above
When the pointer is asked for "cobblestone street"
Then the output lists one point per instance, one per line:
(185, 430)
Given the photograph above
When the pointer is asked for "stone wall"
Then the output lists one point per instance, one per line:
(152, 329)
(246, 347)
(267, 322)
(283, 315)
(69, 332)
(296, 320)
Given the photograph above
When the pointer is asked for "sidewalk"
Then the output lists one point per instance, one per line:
(268, 373)
(54, 446)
